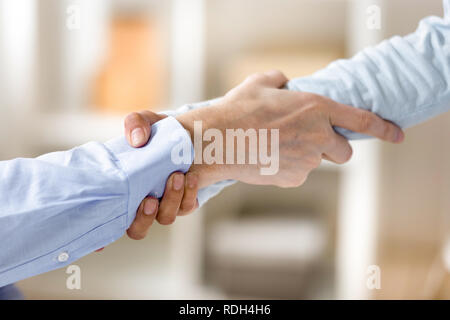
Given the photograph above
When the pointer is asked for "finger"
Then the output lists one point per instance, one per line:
(273, 78)
(171, 201)
(152, 117)
(145, 216)
(362, 121)
(189, 202)
(339, 150)
(138, 127)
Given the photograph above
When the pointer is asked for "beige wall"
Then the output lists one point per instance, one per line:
(415, 189)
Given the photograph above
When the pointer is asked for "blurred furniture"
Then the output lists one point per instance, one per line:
(266, 257)
(132, 76)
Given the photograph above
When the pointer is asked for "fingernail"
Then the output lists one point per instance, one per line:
(191, 180)
(178, 181)
(137, 137)
(149, 207)
(400, 136)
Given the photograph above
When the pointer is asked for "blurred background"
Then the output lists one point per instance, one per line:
(71, 70)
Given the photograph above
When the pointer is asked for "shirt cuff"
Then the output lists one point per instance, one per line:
(211, 191)
(169, 149)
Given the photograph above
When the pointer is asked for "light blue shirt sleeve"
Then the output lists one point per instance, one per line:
(58, 207)
(403, 79)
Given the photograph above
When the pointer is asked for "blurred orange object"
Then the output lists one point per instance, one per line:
(132, 77)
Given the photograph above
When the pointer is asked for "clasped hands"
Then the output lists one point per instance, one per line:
(306, 136)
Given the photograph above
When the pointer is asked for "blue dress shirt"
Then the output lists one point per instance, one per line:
(58, 207)
(61, 206)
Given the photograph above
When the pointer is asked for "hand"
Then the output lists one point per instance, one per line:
(305, 122)
(180, 195)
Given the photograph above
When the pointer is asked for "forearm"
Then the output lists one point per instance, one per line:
(404, 79)
(210, 116)
(61, 206)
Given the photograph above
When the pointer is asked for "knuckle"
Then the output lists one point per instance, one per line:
(132, 234)
(176, 196)
(285, 184)
(173, 195)
(133, 117)
(184, 212)
(316, 163)
(277, 73)
(312, 99)
(192, 180)
(294, 182)
(186, 208)
(299, 180)
(166, 220)
(255, 77)
(312, 162)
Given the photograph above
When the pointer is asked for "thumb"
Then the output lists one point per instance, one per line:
(138, 127)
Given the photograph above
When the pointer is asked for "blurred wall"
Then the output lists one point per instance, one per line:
(236, 27)
(414, 185)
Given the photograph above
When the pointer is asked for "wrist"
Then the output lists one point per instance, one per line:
(210, 117)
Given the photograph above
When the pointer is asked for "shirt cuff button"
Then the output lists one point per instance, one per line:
(63, 257)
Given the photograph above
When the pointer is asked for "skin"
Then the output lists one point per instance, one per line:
(305, 121)
(180, 195)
